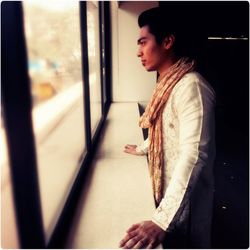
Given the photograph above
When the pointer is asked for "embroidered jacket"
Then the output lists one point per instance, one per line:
(189, 150)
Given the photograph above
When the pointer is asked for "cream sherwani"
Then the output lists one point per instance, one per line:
(189, 151)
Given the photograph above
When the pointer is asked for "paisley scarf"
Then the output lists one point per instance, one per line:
(152, 119)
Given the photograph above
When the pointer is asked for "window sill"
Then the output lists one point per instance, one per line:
(118, 191)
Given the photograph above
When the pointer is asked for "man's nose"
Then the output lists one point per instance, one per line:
(139, 53)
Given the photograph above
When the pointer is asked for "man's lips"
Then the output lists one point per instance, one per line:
(143, 61)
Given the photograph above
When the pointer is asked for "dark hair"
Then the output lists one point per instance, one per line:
(166, 21)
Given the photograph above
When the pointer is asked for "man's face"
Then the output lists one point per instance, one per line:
(151, 53)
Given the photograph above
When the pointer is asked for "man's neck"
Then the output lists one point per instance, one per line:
(167, 64)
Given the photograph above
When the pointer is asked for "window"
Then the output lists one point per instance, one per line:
(52, 30)
(53, 135)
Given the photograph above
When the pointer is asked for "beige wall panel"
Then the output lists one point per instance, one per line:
(131, 82)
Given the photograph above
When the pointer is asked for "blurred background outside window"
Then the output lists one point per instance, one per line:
(9, 234)
(52, 30)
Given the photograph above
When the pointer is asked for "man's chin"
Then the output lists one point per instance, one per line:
(149, 69)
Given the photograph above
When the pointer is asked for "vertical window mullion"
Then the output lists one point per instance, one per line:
(102, 60)
(19, 129)
(85, 69)
(108, 61)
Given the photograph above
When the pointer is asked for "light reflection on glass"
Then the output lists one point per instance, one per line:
(94, 63)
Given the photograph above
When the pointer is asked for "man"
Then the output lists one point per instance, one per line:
(180, 145)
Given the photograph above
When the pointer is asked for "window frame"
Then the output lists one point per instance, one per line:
(24, 173)
(19, 129)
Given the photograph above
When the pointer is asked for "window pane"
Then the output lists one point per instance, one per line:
(94, 63)
(52, 30)
(9, 233)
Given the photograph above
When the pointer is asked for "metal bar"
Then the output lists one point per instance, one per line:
(102, 62)
(85, 70)
(108, 53)
(18, 125)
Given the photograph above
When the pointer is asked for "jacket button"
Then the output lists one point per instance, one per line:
(171, 125)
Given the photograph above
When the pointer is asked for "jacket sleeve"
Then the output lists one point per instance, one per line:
(143, 148)
(194, 105)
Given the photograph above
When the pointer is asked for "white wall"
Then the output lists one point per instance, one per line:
(131, 82)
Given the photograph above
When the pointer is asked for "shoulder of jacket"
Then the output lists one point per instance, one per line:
(187, 81)
(192, 80)
(192, 83)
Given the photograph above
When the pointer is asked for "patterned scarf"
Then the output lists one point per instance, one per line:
(152, 119)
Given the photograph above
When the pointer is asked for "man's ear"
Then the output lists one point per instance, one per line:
(169, 41)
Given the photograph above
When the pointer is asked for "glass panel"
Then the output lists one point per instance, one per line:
(52, 30)
(94, 63)
(9, 233)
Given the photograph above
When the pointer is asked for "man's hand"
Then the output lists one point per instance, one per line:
(131, 149)
(143, 235)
